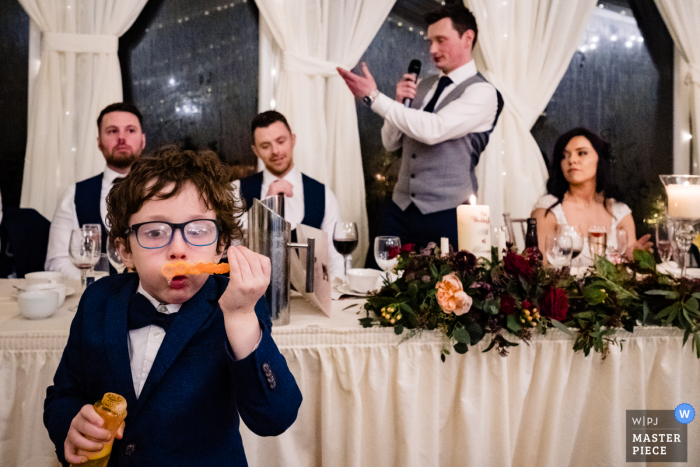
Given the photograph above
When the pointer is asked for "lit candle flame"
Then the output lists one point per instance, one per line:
(472, 200)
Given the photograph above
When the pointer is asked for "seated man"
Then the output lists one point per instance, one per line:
(121, 141)
(23, 237)
(307, 201)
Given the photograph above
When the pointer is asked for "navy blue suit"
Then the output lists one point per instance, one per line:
(188, 411)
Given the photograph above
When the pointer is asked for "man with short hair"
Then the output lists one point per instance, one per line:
(121, 140)
(307, 201)
(442, 134)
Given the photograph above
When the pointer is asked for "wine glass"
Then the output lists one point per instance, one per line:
(558, 249)
(597, 240)
(84, 250)
(616, 253)
(383, 247)
(573, 231)
(345, 242)
(664, 240)
(114, 259)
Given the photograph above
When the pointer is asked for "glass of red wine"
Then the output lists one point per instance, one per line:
(345, 242)
(573, 231)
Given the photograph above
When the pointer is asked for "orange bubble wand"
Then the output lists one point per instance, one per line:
(183, 268)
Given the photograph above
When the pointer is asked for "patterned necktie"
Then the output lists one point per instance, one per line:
(442, 84)
(142, 313)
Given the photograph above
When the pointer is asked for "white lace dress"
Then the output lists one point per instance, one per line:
(619, 211)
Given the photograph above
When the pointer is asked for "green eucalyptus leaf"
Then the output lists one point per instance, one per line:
(366, 322)
(657, 292)
(398, 329)
(691, 304)
(645, 260)
(512, 324)
(561, 327)
(461, 335)
(461, 348)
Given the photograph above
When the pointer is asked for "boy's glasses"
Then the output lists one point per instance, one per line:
(158, 234)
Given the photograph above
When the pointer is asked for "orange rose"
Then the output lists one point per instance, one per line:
(451, 295)
(462, 301)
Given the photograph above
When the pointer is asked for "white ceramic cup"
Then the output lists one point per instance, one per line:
(43, 277)
(38, 304)
(364, 280)
(61, 288)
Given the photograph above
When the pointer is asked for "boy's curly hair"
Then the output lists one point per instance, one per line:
(151, 173)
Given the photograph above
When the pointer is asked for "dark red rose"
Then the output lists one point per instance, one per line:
(465, 262)
(527, 305)
(407, 248)
(554, 304)
(394, 252)
(516, 265)
(507, 305)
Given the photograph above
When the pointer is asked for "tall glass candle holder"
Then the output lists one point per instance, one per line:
(683, 193)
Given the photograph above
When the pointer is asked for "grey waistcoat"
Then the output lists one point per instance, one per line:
(440, 177)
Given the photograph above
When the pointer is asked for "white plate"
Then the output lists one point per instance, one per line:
(69, 291)
(346, 290)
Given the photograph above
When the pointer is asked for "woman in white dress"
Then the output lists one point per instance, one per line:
(582, 192)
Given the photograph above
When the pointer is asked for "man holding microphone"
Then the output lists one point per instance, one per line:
(442, 132)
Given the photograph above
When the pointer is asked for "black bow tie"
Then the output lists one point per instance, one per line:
(142, 313)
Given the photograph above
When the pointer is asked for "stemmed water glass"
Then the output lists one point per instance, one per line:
(558, 250)
(114, 259)
(383, 247)
(664, 240)
(345, 241)
(84, 251)
(616, 253)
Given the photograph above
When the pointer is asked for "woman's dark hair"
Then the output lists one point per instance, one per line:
(557, 184)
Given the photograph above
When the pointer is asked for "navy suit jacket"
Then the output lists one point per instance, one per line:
(188, 411)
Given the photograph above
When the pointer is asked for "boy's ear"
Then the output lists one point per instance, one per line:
(126, 256)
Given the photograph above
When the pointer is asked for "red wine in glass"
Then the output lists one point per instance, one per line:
(345, 247)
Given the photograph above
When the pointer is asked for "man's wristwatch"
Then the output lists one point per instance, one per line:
(371, 97)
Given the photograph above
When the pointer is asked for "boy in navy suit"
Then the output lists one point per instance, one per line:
(189, 355)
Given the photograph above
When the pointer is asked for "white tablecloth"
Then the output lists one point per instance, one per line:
(370, 400)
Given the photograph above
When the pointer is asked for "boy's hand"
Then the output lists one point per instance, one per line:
(86, 424)
(250, 276)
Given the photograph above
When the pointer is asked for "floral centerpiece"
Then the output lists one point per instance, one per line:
(507, 301)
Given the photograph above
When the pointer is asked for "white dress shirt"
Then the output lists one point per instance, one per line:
(65, 219)
(294, 211)
(144, 344)
(473, 112)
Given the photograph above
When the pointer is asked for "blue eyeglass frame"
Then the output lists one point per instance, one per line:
(181, 226)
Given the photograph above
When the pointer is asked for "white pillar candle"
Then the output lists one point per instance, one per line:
(474, 229)
(684, 201)
(444, 246)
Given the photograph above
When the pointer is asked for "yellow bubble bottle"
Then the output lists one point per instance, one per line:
(112, 409)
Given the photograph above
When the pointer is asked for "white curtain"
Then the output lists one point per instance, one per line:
(682, 18)
(523, 48)
(314, 37)
(78, 76)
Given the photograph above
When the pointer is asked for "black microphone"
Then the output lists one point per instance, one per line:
(414, 68)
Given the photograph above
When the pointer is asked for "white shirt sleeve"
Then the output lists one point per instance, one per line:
(65, 219)
(330, 216)
(391, 136)
(473, 112)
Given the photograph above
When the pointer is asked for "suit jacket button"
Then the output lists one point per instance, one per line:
(129, 449)
(413, 175)
(413, 156)
(266, 369)
(413, 195)
(271, 382)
